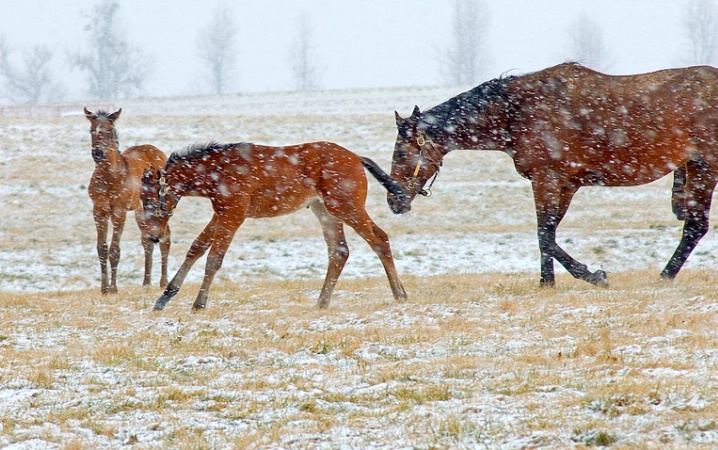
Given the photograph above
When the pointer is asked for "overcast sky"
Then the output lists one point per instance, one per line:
(360, 43)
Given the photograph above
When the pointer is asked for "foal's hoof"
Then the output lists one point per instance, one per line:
(598, 278)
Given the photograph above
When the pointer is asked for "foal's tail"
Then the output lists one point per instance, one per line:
(384, 178)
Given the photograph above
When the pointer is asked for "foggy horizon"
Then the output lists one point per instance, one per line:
(372, 43)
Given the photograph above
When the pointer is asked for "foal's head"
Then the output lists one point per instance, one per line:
(158, 203)
(102, 131)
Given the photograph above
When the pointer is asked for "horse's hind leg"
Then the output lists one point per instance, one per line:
(378, 240)
(337, 248)
(701, 180)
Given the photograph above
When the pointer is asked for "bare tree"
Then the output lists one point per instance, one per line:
(114, 66)
(33, 82)
(587, 44)
(217, 47)
(700, 23)
(467, 60)
(305, 66)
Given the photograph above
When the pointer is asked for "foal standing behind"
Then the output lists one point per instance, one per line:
(247, 180)
(115, 190)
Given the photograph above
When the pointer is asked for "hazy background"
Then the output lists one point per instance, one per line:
(359, 43)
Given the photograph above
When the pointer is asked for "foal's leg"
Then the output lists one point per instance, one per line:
(225, 229)
(101, 226)
(701, 181)
(147, 247)
(165, 242)
(337, 248)
(196, 250)
(118, 225)
(551, 207)
(356, 217)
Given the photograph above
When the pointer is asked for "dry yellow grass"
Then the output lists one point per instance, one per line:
(470, 360)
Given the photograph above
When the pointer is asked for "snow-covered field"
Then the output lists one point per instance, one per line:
(480, 218)
(458, 385)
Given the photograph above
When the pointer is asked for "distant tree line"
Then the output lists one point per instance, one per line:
(114, 67)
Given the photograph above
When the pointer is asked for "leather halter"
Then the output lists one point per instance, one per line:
(421, 141)
(164, 190)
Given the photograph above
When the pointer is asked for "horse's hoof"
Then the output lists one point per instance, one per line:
(598, 278)
(198, 308)
(158, 307)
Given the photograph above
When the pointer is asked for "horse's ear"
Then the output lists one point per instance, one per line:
(89, 114)
(415, 112)
(115, 115)
(398, 118)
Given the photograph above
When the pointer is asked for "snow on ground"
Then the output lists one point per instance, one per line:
(479, 220)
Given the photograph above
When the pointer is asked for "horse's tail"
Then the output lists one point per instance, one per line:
(384, 178)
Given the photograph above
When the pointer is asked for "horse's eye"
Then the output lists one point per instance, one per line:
(401, 154)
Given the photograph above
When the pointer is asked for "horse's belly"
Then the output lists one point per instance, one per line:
(624, 174)
(280, 202)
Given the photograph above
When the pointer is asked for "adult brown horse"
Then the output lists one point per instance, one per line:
(246, 180)
(115, 190)
(568, 126)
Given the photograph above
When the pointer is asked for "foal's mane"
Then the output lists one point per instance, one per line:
(198, 150)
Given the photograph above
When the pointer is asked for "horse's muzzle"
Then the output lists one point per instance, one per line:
(399, 204)
(98, 154)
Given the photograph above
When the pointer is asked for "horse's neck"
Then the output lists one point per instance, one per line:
(115, 164)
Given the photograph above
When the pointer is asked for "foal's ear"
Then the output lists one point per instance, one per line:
(89, 114)
(148, 176)
(115, 115)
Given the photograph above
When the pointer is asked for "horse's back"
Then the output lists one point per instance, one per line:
(146, 156)
(576, 81)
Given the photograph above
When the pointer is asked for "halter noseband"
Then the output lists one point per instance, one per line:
(421, 141)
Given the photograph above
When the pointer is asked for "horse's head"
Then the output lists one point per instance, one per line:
(416, 159)
(102, 132)
(158, 203)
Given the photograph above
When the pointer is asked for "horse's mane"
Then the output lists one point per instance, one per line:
(466, 104)
(198, 150)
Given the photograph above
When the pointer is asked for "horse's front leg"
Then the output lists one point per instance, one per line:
(223, 234)
(551, 207)
(701, 182)
(196, 250)
(118, 225)
(165, 243)
(101, 226)
(147, 247)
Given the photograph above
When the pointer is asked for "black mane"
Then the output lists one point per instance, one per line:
(197, 150)
(465, 105)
